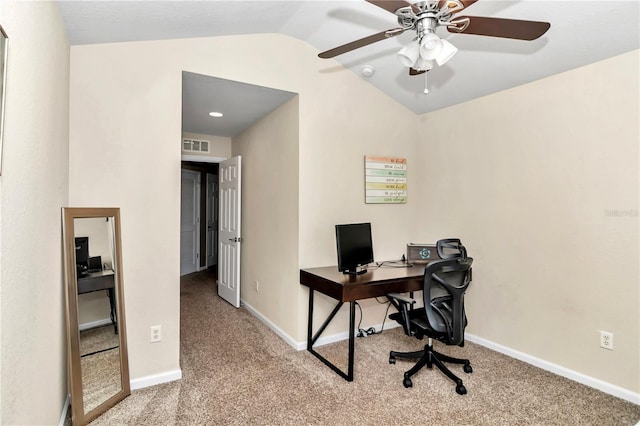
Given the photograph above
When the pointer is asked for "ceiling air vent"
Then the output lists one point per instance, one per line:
(194, 145)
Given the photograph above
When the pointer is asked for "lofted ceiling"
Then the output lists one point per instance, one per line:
(582, 32)
(242, 104)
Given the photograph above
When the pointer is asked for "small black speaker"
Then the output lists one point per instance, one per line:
(421, 253)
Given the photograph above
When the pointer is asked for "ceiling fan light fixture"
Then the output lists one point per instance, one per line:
(448, 51)
(423, 64)
(430, 46)
(409, 54)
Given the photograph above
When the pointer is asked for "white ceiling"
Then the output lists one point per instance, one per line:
(582, 32)
(242, 104)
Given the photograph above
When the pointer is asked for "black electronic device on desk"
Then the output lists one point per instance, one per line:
(355, 247)
(95, 264)
(421, 253)
(82, 256)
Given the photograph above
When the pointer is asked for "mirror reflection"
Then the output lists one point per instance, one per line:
(96, 330)
(97, 310)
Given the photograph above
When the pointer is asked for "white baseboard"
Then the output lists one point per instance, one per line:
(601, 385)
(155, 379)
(284, 336)
(94, 324)
(65, 409)
(324, 340)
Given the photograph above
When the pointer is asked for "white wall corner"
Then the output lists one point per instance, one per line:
(302, 345)
(65, 410)
(290, 340)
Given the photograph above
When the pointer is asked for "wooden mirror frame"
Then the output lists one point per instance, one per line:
(69, 214)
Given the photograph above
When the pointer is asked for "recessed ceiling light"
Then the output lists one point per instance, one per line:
(215, 114)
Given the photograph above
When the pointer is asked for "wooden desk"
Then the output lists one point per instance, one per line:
(103, 280)
(378, 281)
(95, 281)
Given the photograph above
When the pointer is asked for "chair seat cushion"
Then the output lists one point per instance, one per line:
(419, 319)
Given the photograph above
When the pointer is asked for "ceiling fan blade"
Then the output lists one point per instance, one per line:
(499, 27)
(413, 71)
(360, 43)
(393, 5)
(465, 3)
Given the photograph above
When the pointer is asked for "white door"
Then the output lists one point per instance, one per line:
(229, 231)
(212, 219)
(189, 221)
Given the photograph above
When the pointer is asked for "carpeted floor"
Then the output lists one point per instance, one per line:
(98, 339)
(238, 372)
(100, 377)
(100, 365)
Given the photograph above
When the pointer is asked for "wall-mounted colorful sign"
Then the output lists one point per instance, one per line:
(385, 180)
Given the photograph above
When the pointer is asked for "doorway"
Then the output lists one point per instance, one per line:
(199, 217)
(189, 222)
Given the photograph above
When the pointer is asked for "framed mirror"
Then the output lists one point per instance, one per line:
(97, 361)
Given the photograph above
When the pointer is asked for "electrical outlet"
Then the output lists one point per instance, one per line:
(606, 340)
(257, 285)
(156, 333)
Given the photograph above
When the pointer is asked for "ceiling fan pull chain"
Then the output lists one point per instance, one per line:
(426, 88)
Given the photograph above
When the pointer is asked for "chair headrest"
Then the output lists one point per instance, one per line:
(449, 248)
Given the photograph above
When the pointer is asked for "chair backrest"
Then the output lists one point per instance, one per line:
(445, 282)
(450, 248)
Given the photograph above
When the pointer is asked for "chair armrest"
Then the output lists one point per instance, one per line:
(401, 303)
(401, 298)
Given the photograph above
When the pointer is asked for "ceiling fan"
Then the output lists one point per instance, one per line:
(424, 17)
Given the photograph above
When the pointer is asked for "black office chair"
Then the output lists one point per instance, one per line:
(443, 318)
(450, 248)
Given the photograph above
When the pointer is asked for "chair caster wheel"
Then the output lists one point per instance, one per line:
(467, 369)
(407, 382)
(392, 360)
(461, 390)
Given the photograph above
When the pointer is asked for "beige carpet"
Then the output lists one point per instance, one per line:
(98, 339)
(100, 377)
(100, 365)
(236, 371)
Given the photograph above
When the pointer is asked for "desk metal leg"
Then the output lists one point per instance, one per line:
(114, 313)
(352, 339)
(311, 340)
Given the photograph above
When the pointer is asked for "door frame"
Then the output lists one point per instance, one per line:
(196, 159)
(195, 248)
(211, 238)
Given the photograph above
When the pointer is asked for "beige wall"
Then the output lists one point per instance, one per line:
(530, 179)
(34, 187)
(139, 87)
(492, 193)
(123, 152)
(219, 146)
(269, 151)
